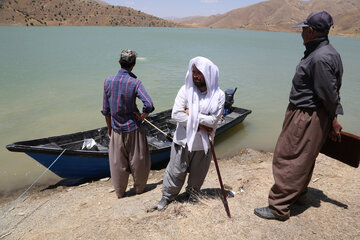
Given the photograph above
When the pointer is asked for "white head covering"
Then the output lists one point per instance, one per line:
(209, 106)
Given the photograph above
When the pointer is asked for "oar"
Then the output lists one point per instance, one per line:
(220, 180)
(166, 135)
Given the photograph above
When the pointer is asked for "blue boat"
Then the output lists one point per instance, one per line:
(86, 153)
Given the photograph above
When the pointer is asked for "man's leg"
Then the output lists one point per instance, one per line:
(298, 146)
(119, 168)
(139, 156)
(199, 166)
(175, 172)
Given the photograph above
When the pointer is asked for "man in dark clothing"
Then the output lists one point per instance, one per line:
(310, 118)
(128, 148)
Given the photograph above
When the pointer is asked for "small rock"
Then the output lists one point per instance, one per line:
(104, 179)
(151, 209)
(150, 206)
(111, 190)
(83, 185)
(4, 235)
(316, 179)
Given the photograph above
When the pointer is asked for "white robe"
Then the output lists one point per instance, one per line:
(204, 108)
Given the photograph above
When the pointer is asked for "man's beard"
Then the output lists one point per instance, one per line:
(200, 84)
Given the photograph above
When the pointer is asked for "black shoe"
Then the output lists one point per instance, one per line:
(162, 204)
(266, 213)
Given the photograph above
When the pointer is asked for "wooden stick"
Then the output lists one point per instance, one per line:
(166, 135)
(220, 180)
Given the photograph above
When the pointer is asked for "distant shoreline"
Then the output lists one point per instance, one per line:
(193, 27)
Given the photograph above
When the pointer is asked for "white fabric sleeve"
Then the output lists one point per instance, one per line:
(212, 120)
(180, 104)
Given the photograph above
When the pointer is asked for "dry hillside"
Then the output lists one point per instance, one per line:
(348, 23)
(280, 15)
(74, 12)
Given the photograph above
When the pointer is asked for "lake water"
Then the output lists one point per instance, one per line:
(52, 81)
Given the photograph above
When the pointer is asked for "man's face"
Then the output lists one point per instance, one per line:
(307, 34)
(198, 78)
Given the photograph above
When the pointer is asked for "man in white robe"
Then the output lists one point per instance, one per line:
(197, 110)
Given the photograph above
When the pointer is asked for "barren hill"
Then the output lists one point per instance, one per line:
(280, 15)
(75, 12)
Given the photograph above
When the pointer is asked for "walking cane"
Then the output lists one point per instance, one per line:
(220, 180)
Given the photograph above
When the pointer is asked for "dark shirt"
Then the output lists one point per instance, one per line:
(120, 92)
(318, 77)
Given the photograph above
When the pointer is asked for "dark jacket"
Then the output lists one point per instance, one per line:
(317, 80)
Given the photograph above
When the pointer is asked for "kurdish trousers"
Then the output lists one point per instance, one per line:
(129, 153)
(303, 134)
(182, 161)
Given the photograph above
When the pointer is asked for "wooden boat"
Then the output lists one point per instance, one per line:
(86, 154)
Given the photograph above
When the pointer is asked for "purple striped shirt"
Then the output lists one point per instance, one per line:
(120, 93)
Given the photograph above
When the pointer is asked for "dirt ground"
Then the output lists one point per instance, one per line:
(91, 210)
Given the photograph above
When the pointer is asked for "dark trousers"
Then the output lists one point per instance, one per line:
(303, 134)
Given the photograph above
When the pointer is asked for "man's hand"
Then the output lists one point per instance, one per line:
(141, 117)
(206, 129)
(108, 124)
(334, 133)
(109, 132)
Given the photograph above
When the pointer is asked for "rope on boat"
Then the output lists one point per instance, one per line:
(3, 212)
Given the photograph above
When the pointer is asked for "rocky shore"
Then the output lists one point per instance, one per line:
(90, 210)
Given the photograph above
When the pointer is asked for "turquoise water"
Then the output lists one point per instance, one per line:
(52, 79)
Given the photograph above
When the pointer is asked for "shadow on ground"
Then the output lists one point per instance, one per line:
(314, 199)
(207, 193)
(80, 181)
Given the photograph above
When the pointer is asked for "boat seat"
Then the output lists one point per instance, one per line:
(153, 141)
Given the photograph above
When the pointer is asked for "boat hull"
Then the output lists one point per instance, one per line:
(72, 166)
(78, 163)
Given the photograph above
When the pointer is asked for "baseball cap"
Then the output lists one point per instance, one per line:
(320, 21)
(128, 56)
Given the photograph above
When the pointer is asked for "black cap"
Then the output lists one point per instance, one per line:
(320, 21)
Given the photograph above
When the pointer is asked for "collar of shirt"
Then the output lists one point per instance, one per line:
(314, 44)
(125, 71)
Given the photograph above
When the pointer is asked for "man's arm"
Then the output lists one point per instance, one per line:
(180, 111)
(106, 108)
(108, 124)
(326, 87)
(212, 119)
(145, 98)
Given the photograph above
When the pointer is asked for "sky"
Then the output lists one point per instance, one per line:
(183, 8)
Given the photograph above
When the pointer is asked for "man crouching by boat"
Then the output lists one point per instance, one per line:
(128, 148)
(197, 109)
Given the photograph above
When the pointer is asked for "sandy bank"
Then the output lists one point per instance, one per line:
(91, 210)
